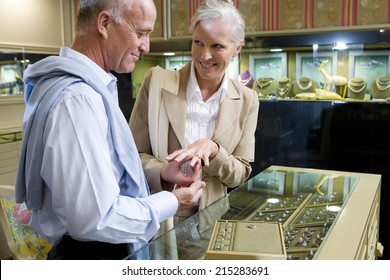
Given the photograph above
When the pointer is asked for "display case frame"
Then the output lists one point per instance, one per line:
(272, 65)
(307, 64)
(369, 65)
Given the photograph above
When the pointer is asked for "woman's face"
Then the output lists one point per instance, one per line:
(212, 49)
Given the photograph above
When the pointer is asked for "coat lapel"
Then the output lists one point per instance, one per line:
(229, 111)
(176, 105)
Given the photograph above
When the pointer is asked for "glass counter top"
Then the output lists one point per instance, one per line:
(305, 202)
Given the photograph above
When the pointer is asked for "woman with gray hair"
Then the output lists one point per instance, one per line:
(203, 116)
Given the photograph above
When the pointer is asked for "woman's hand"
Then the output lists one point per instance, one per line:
(201, 151)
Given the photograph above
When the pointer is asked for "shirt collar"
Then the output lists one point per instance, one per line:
(193, 90)
(108, 79)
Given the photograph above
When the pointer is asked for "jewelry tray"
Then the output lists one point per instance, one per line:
(246, 240)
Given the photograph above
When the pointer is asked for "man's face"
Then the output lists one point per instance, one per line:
(128, 41)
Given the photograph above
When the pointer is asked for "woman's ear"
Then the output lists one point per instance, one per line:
(237, 51)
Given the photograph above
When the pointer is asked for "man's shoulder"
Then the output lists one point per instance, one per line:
(78, 89)
(80, 85)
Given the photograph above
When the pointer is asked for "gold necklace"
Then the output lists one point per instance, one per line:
(264, 84)
(283, 89)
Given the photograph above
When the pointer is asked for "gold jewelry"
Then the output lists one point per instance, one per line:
(282, 90)
(309, 84)
(262, 83)
(383, 84)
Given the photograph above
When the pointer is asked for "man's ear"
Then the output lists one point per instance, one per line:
(102, 22)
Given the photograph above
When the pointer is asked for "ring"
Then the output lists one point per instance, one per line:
(201, 160)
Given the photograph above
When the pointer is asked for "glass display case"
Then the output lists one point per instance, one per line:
(11, 78)
(12, 66)
(343, 66)
(324, 215)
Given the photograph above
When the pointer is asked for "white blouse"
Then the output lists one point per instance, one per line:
(201, 117)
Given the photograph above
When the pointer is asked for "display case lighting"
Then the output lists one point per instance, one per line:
(169, 53)
(340, 46)
(272, 200)
(333, 208)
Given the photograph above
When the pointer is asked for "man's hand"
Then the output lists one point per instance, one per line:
(190, 195)
(172, 173)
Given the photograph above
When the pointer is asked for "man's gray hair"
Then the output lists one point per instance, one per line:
(89, 9)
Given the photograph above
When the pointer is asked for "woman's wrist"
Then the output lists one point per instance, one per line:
(216, 150)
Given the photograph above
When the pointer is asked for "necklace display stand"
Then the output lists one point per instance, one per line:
(265, 87)
(246, 79)
(303, 85)
(381, 88)
(357, 88)
(283, 87)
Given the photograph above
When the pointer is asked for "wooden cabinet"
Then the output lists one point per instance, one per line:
(11, 113)
(36, 26)
(10, 144)
(160, 27)
(11, 120)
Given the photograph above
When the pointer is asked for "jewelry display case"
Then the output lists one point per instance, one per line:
(323, 214)
(12, 106)
(340, 65)
(353, 72)
(11, 77)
